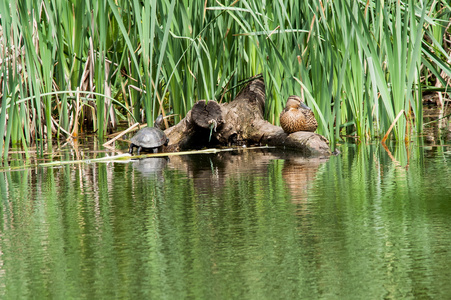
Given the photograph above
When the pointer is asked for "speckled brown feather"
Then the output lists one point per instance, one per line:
(296, 118)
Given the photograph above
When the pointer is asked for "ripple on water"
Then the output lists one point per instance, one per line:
(260, 225)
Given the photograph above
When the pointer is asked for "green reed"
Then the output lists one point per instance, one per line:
(357, 63)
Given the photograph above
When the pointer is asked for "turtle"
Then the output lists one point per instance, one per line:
(297, 116)
(150, 138)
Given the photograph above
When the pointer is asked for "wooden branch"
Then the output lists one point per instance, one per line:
(240, 122)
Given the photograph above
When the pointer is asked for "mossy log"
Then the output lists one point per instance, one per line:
(240, 122)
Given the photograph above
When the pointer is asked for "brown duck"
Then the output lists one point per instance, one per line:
(297, 116)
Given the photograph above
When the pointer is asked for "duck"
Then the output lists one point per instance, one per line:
(296, 116)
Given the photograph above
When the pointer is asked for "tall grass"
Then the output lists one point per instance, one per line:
(357, 63)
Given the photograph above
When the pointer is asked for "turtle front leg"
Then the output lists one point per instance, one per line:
(139, 149)
(131, 149)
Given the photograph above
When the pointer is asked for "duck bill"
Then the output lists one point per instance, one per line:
(302, 105)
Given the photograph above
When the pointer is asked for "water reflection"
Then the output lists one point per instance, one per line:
(263, 225)
(151, 166)
(213, 172)
(299, 174)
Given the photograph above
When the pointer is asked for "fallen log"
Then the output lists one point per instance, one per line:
(240, 122)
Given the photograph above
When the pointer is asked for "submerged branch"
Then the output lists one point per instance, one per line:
(127, 157)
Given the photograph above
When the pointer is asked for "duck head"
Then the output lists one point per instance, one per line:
(296, 102)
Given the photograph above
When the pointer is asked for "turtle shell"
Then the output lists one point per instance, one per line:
(149, 137)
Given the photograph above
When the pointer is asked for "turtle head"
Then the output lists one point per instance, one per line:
(158, 121)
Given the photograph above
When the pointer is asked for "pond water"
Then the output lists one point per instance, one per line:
(371, 223)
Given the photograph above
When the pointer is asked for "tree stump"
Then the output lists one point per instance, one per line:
(240, 122)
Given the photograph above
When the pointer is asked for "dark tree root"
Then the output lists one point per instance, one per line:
(239, 122)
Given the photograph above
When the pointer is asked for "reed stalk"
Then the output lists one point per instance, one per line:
(357, 63)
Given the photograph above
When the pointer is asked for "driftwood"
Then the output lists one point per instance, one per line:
(240, 122)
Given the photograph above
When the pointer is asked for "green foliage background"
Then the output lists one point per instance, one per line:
(70, 66)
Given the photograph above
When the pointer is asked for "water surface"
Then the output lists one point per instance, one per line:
(367, 224)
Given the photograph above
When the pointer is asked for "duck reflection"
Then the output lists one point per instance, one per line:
(299, 175)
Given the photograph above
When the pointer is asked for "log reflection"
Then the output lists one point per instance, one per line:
(210, 173)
